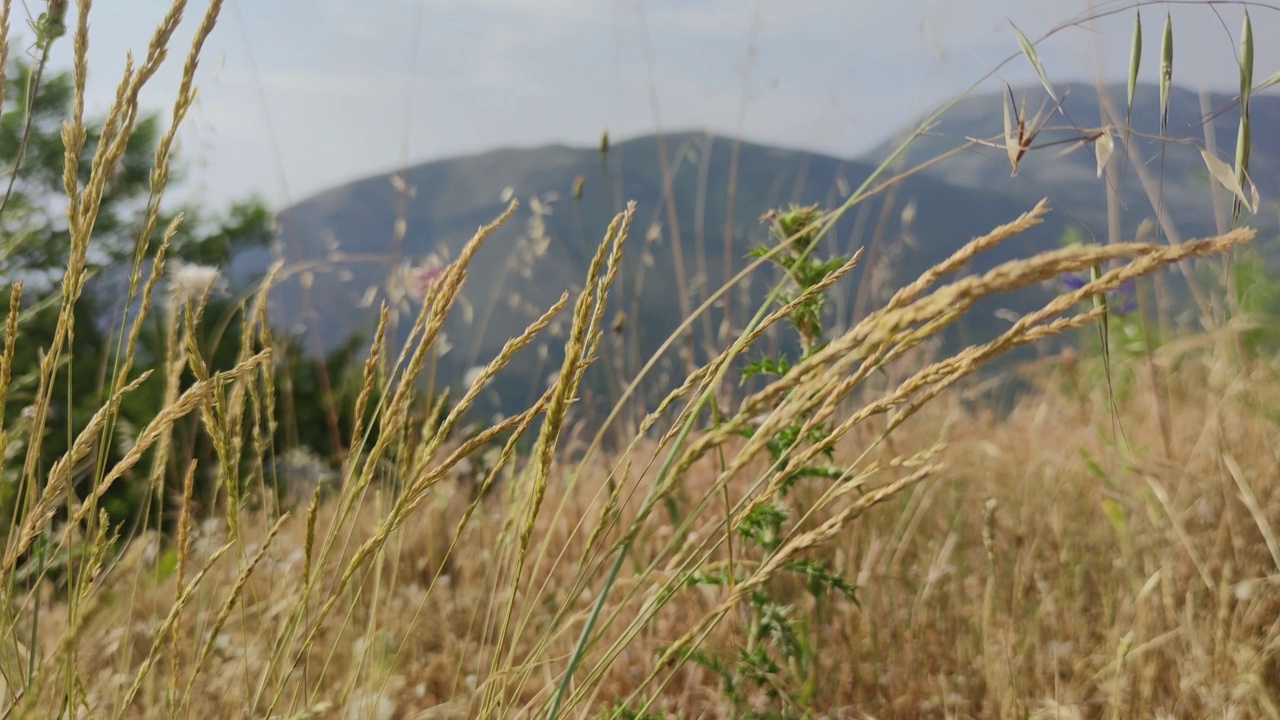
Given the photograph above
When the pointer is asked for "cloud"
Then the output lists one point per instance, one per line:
(343, 84)
(828, 75)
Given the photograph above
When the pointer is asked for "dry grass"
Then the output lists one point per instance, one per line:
(996, 589)
(1002, 574)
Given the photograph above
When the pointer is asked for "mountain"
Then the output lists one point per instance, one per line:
(508, 285)
(545, 248)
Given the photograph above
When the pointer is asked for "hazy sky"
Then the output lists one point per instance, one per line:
(297, 96)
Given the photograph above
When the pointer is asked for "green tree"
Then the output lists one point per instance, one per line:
(34, 246)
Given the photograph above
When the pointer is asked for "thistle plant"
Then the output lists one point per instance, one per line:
(49, 25)
(777, 663)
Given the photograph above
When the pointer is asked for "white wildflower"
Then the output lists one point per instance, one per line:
(211, 526)
(540, 245)
(470, 376)
(1244, 591)
(371, 705)
(536, 227)
(194, 282)
(462, 469)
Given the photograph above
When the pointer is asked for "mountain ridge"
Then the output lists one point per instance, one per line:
(509, 282)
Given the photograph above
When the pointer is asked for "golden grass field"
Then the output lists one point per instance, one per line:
(996, 588)
(1104, 549)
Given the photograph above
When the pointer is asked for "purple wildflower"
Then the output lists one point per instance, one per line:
(1121, 300)
(418, 280)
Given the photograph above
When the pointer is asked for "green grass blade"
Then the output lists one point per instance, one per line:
(1272, 80)
(1029, 51)
(1243, 136)
(1135, 64)
(1166, 72)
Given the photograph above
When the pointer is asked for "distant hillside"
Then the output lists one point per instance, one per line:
(949, 203)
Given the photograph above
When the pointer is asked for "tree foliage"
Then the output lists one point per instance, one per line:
(34, 248)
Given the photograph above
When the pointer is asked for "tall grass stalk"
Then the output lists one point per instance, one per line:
(553, 584)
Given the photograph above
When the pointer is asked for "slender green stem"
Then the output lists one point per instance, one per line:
(33, 88)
